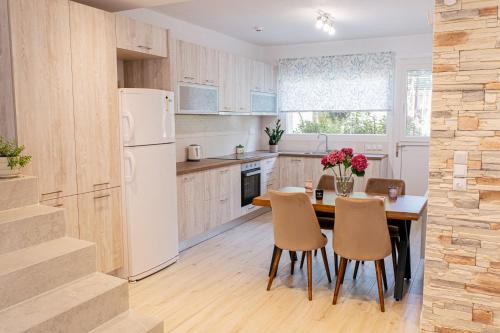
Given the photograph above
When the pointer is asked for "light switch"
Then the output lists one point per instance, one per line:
(459, 170)
(460, 157)
(459, 184)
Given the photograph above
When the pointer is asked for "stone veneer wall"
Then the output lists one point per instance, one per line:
(462, 267)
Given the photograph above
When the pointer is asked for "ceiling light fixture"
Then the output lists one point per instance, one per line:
(324, 22)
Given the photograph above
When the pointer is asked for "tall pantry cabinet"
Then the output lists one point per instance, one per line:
(63, 74)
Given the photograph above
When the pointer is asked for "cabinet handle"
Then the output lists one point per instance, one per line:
(209, 81)
(102, 196)
(101, 184)
(223, 200)
(295, 160)
(144, 47)
(58, 205)
(188, 77)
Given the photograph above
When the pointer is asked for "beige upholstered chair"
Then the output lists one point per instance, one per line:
(326, 220)
(296, 228)
(381, 186)
(361, 233)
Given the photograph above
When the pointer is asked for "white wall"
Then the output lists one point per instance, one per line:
(218, 135)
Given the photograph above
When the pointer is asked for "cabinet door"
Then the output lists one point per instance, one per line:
(209, 66)
(139, 38)
(269, 85)
(243, 69)
(43, 92)
(70, 205)
(292, 171)
(192, 206)
(188, 62)
(227, 71)
(313, 169)
(95, 98)
(258, 76)
(100, 220)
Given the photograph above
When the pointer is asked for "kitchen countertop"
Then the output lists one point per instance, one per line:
(223, 161)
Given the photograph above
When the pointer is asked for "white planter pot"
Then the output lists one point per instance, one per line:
(273, 148)
(240, 150)
(6, 171)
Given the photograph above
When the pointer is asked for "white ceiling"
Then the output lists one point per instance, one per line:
(292, 21)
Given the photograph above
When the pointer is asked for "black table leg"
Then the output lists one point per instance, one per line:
(402, 259)
(274, 253)
(408, 256)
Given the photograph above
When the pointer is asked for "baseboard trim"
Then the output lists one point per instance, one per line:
(186, 244)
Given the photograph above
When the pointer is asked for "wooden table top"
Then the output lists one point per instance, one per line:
(406, 207)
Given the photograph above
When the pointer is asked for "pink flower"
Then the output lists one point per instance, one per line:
(347, 151)
(359, 163)
(336, 157)
(324, 160)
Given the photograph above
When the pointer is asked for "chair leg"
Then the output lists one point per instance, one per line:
(272, 259)
(384, 277)
(378, 268)
(325, 261)
(309, 275)
(355, 270)
(274, 269)
(343, 263)
(292, 262)
(393, 255)
(336, 262)
(302, 259)
(315, 252)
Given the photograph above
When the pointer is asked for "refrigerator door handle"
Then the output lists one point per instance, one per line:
(131, 160)
(130, 132)
(168, 119)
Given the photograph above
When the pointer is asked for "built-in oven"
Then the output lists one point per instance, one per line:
(250, 182)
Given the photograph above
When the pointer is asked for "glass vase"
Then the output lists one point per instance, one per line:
(344, 186)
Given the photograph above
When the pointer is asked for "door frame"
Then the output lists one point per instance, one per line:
(399, 139)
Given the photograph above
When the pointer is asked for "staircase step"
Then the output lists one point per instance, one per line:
(18, 192)
(30, 225)
(76, 307)
(131, 322)
(36, 269)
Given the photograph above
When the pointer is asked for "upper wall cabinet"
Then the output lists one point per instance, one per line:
(209, 66)
(243, 69)
(136, 40)
(188, 62)
(97, 138)
(263, 77)
(43, 90)
(227, 82)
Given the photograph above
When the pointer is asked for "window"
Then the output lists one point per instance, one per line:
(418, 103)
(347, 94)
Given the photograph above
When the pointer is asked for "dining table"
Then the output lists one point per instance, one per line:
(400, 211)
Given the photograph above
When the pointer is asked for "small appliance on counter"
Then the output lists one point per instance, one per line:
(194, 153)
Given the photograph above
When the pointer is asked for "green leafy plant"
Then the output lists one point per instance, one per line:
(12, 152)
(275, 134)
(240, 146)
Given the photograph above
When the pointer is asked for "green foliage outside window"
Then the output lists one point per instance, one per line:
(340, 122)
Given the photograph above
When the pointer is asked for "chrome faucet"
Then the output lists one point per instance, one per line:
(326, 140)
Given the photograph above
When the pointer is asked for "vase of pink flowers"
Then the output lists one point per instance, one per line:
(345, 165)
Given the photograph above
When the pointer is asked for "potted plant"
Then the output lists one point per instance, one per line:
(345, 165)
(240, 149)
(11, 158)
(274, 135)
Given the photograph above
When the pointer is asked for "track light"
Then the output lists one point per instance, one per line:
(325, 22)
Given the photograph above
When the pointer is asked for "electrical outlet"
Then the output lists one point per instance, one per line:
(459, 184)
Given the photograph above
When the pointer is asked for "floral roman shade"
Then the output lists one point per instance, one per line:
(358, 82)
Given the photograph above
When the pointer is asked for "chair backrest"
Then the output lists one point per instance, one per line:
(361, 230)
(294, 222)
(326, 182)
(381, 185)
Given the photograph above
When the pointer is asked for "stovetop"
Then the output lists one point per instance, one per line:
(240, 157)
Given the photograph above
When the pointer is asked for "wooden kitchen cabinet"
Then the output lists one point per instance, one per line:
(188, 62)
(243, 71)
(70, 205)
(43, 92)
(100, 221)
(269, 179)
(292, 171)
(97, 131)
(258, 76)
(192, 205)
(224, 194)
(136, 40)
(209, 66)
(227, 82)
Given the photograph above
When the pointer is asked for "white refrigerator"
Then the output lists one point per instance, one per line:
(149, 181)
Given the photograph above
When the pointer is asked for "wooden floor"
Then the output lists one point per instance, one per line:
(220, 286)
